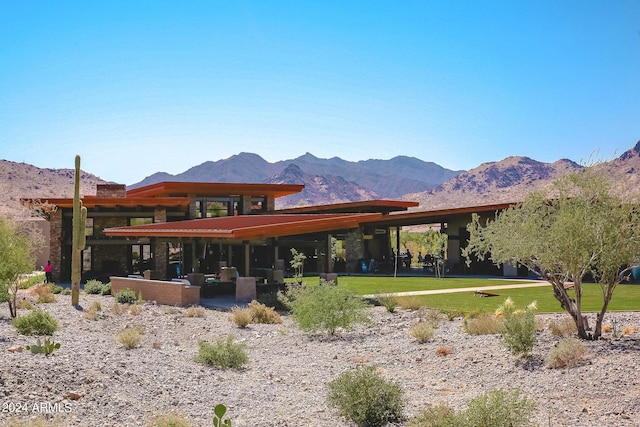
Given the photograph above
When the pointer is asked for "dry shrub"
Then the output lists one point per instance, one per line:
(628, 329)
(606, 328)
(118, 309)
(263, 314)
(171, 420)
(130, 337)
(564, 328)
(413, 302)
(135, 309)
(46, 298)
(566, 353)
(484, 324)
(444, 351)
(195, 312)
(388, 302)
(24, 304)
(242, 317)
(90, 314)
(430, 315)
(42, 288)
(171, 310)
(422, 331)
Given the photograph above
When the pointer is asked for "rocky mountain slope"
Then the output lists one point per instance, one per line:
(22, 180)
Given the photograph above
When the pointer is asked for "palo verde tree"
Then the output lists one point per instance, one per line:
(578, 227)
(17, 254)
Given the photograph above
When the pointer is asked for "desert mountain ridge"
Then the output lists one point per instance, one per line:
(337, 181)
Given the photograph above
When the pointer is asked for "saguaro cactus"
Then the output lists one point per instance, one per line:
(78, 237)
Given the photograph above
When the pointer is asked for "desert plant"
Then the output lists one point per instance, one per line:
(118, 309)
(106, 289)
(93, 287)
(135, 309)
(563, 328)
(444, 351)
(65, 291)
(46, 298)
(412, 302)
(389, 302)
(218, 416)
(37, 322)
(325, 307)
(241, 316)
(56, 289)
(566, 353)
(498, 409)
(363, 396)
(422, 331)
(130, 337)
(78, 236)
(33, 280)
(483, 324)
(223, 354)
(261, 313)
(439, 415)
(195, 312)
(519, 328)
(46, 348)
(126, 296)
(170, 420)
(24, 304)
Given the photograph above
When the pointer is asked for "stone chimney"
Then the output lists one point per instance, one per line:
(111, 190)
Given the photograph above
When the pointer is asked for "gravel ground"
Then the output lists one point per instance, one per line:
(92, 380)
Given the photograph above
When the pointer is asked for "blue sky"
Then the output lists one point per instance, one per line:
(137, 87)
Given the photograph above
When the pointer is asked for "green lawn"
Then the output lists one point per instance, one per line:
(625, 297)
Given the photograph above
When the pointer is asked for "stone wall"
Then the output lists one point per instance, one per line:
(111, 190)
(163, 292)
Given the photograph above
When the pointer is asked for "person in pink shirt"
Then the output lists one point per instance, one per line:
(48, 269)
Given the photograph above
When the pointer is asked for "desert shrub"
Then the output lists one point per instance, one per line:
(518, 328)
(563, 328)
(263, 314)
(126, 296)
(106, 289)
(484, 324)
(33, 280)
(55, 289)
(452, 314)
(130, 337)
(412, 302)
(92, 313)
(439, 415)
(241, 316)
(390, 303)
(93, 287)
(65, 291)
(444, 351)
(46, 298)
(135, 309)
(24, 304)
(170, 420)
(363, 396)
(325, 307)
(118, 309)
(195, 312)
(42, 288)
(223, 354)
(498, 409)
(566, 353)
(422, 331)
(37, 322)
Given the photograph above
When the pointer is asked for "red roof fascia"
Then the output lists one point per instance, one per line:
(169, 188)
(354, 207)
(112, 202)
(246, 227)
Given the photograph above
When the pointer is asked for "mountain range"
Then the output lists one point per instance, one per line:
(336, 180)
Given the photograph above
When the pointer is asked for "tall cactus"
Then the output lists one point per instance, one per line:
(78, 237)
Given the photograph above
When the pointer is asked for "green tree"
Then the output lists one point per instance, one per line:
(577, 227)
(17, 248)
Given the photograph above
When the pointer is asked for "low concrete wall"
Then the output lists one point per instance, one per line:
(177, 292)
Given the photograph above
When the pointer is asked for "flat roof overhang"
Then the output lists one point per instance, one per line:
(214, 189)
(426, 217)
(93, 202)
(365, 206)
(246, 227)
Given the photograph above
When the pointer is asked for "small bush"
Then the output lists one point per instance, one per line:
(439, 415)
(484, 324)
(38, 322)
(564, 328)
(422, 331)
(519, 328)
(498, 409)
(130, 337)
(126, 296)
(195, 312)
(223, 354)
(171, 420)
(24, 304)
(241, 316)
(325, 307)
(92, 313)
(566, 353)
(93, 287)
(413, 302)
(65, 291)
(390, 303)
(263, 314)
(106, 289)
(366, 398)
(46, 298)
(33, 280)
(135, 309)
(55, 289)
(118, 309)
